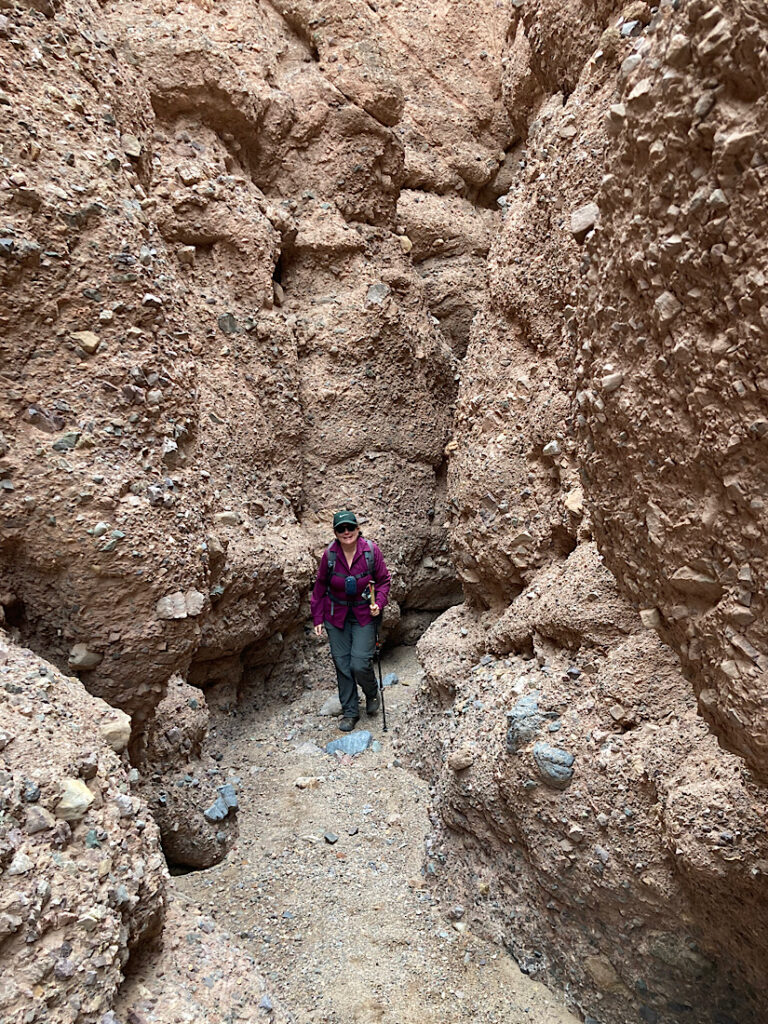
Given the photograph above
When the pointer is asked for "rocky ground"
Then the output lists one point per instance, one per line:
(326, 887)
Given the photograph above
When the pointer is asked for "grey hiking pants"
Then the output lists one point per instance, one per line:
(352, 649)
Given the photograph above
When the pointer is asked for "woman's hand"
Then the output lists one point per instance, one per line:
(319, 630)
(375, 609)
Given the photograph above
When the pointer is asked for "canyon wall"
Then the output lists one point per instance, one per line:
(213, 335)
(596, 704)
(491, 274)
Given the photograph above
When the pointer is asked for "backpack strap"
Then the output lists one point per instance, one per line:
(331, 560)
(331, 554)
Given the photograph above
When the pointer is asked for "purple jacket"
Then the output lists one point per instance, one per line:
(331, 606)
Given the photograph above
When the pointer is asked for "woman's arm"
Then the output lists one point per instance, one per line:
(381, 577)
(317, 601)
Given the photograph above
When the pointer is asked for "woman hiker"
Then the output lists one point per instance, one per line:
(341, 602)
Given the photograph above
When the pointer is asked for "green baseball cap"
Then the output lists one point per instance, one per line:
(344, 516)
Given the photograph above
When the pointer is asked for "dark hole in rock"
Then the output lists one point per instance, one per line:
(563, 542)
(277, 273)
(15, 613)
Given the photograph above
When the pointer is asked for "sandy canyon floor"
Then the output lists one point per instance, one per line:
(325, 887)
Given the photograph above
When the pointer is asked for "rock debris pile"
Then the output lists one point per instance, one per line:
(83, 874)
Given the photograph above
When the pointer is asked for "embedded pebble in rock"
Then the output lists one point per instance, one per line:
(523, 722)
(31, 792)
(20, 864)
(87, 340)
(38, 819)
(75, 800)
(116, 731)
(461, 759)
(172, 606)
(555, 766)
(583, 220)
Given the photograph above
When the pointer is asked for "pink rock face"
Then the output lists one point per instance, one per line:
(675, 454)
(597, 829)
(190, 344)
(596, 382)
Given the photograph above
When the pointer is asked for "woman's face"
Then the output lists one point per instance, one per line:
(348, 534)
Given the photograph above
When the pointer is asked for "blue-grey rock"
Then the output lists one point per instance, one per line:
(228, 324)
(390, 679)
(266, 1004)
(228, 795)
(523, 722)
(631, 28)
(377, 293)
(217, 811)
(31, 792)
(353, 743)
(66, 442)
(554, 765)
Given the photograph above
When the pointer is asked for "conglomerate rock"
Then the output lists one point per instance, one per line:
(212, 337)
(588, 387)
(586, 817)
(195, 973)
(193, 803)
(242, 251)
(208, 345)
(82, 874)
(673, 392)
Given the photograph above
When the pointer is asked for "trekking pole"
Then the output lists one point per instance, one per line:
(376, 619)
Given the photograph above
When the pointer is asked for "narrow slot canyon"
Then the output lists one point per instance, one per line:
(492, 275)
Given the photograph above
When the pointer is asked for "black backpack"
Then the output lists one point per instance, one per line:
(358, 575)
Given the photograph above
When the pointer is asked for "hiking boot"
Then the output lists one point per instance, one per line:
(372, 704)
(348, 724)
